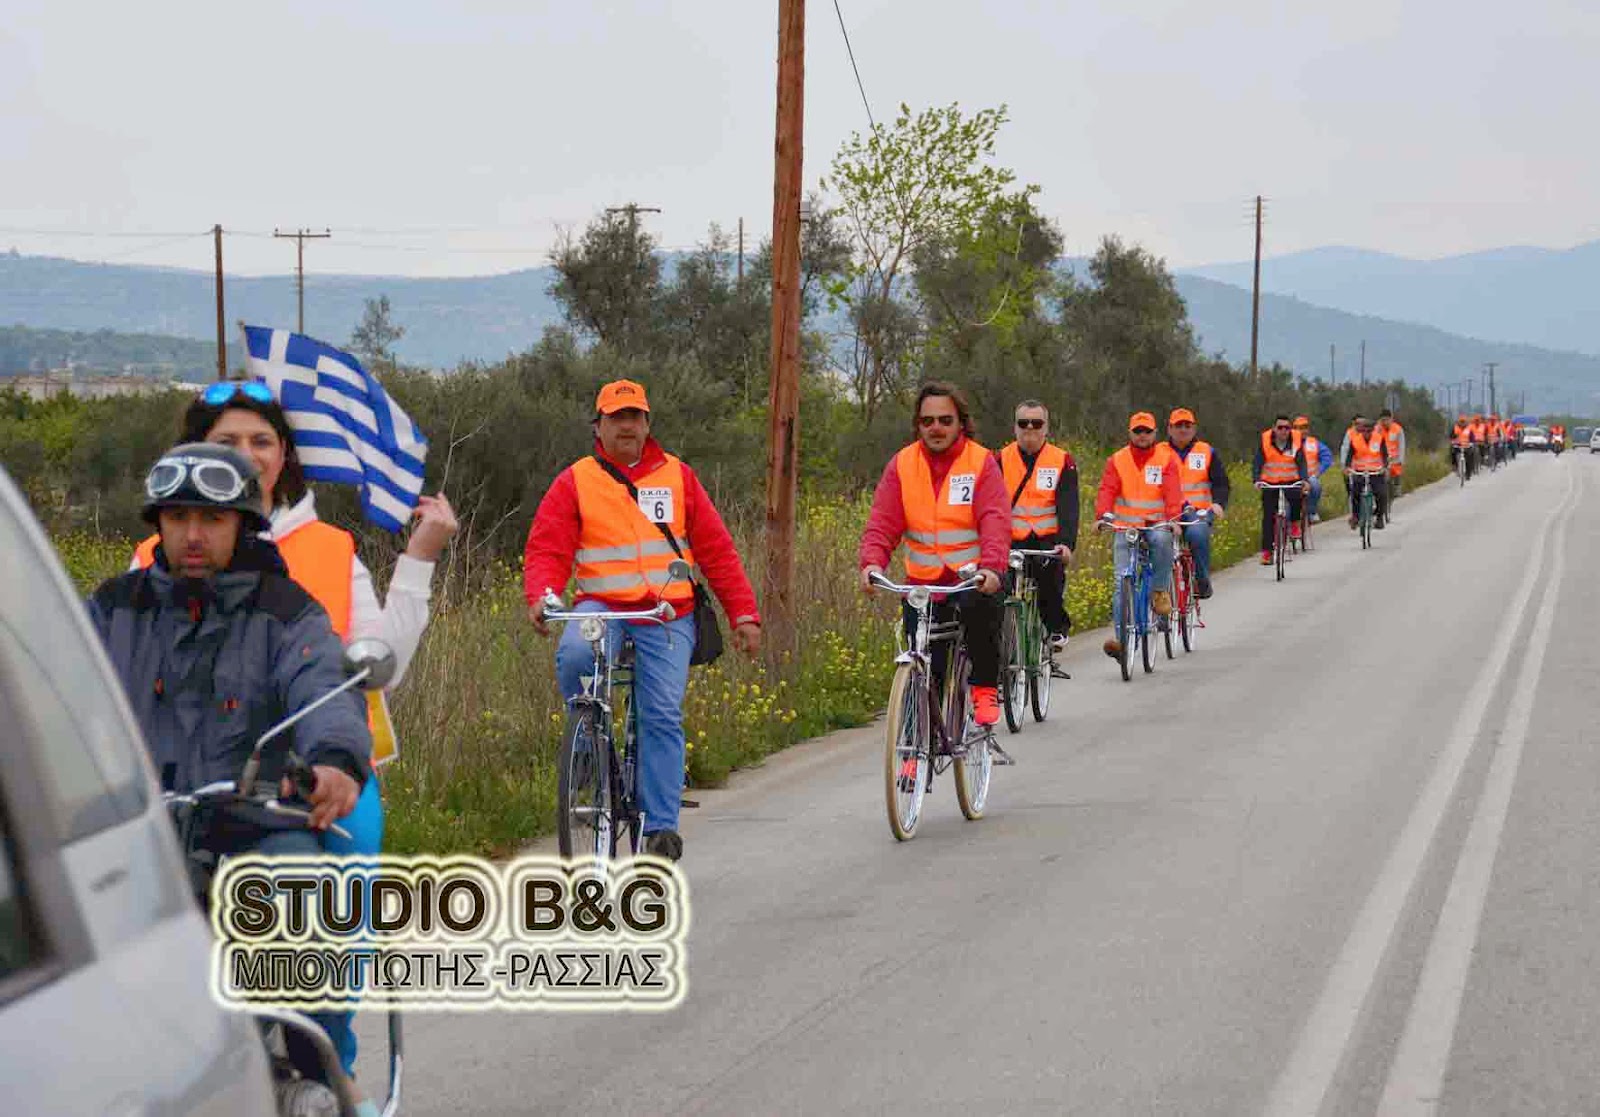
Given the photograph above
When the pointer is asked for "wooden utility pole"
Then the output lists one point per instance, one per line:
(633, 210)
(222, 336)
(300, 236)
(1363, 364)
(783, 436)
(1255, 297)
(1332, 376)
(741, 254)
(1491, 366)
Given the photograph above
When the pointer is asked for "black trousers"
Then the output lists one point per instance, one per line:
(1051, 578)
(979, 614)
(1380, 494)
(1269, 509)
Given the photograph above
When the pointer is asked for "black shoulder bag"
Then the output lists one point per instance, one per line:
(707, 632)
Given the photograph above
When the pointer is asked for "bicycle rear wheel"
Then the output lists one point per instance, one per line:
(1125, 631)
(1366, 519)
(585, 819)
(1280, 540)
(906, 762)
(976, 762)
(1013, 668)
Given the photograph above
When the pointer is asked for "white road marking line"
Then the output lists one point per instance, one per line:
(1416, 1077)
(1303, 1085)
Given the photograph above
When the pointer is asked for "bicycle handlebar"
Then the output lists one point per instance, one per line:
(1291, 485)
(1366, 472)
(226, 789)
(904, 591)
(555, 610)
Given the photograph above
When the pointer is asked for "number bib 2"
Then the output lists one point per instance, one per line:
(961, 486)
(656, 504)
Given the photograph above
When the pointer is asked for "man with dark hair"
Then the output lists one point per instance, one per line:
(944, 495)
(1042, 480)
(1365, 450)
(1280, 460)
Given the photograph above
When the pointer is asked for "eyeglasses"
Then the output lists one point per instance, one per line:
(942, 420)
(1280, 427)
(1144, 430)
(215, 480)
(1030, 424)
(224, 391)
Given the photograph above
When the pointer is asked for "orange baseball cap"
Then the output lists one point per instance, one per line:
(1181, 415)
(1301, 421)
(620, 394)
(1142, 419)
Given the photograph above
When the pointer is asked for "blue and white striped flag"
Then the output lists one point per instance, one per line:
(346, 428)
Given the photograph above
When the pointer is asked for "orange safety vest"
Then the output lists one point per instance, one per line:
(622, 555)
(1461, 435)
(1368, 455)
(1313, 450)
(319, 557)
(1194, 473)
(941, 529)
(1391, 435)
(1140, 501)
(1481, 431)
(1034, 510)
(1277, 467)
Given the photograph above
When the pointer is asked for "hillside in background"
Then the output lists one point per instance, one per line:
(26, 350)
(1532, 296)
(484, 318)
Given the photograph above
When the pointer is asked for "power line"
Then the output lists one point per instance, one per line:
(851, 52)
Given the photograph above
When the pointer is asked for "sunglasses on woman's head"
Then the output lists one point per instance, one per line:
(224, 391)
(942, 420)
(1030, 424)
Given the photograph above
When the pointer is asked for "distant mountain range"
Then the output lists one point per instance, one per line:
(485, 318)
(1533, 296)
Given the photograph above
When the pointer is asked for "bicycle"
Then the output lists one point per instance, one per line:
(1185, 601)
(597, 798)
(1461, 466)
(1134, 620)
(1365, 504)
(1025, 653)
(1305, 519)
(1280, 523)
(931, 728)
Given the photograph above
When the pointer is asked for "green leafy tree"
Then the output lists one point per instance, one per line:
(608, 280)
(373, 340)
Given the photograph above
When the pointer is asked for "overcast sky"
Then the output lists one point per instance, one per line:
(457, 138)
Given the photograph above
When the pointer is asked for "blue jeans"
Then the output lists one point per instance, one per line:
(1198, 536)
(660, 675)
(365, 825)
(1316, 496)
(1161, 548)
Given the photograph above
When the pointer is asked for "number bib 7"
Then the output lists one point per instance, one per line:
(1152, 474)
(656, 504)
(961, 486)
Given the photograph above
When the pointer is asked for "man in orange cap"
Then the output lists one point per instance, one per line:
(1319, 459)
(1205, 489)
(1139, 487)
(1280, 460)
(620, 517)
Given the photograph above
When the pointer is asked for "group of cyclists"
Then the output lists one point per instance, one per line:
(1484, 441)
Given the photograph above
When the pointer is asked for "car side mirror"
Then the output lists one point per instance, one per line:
(373, 656)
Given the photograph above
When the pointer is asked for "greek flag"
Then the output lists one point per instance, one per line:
(346, 428)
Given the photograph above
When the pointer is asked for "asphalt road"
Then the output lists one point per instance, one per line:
(1339, 860)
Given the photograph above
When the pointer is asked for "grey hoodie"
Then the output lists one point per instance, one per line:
(211, 665)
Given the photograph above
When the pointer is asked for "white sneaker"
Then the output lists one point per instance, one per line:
(1058, 642)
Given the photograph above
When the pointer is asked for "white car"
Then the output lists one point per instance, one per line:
(1535, 438)
(1594, 440)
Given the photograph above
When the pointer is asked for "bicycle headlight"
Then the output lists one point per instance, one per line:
(1131, 534)
(592, 628)
(919, 596)
(1016, 562)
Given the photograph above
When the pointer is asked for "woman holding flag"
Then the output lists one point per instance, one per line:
(297, 440)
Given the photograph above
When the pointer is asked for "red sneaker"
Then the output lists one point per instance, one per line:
(985, 705)
(1266, 558)
(1294, 530)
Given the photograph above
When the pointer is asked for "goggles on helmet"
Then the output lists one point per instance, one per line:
(213, 479)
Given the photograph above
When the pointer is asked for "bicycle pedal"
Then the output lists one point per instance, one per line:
(691, 803)
(1001, 757)
(1057, 673)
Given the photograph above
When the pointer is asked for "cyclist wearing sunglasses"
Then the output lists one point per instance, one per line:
(1280, 460)
(1140, 486)
(1205, 489)
(1043, 482)
(945, 496)
(322, 558)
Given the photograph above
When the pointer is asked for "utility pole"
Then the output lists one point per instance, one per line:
(1491, 366)
(1363, 364)
(1255, 297)
(300, 236)
(783, 436)
(222, 337)
(1332, 376)
(741, 254)
(633, 210)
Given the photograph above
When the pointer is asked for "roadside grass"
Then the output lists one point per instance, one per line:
(479, 718)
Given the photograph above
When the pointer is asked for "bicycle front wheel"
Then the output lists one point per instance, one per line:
(1042, 672)
(976, 762)
(1147, 635)
(1013, 669)
(1280, 540)
(585, 819)
(905, 759)
(1125, 630)
(1366, 520)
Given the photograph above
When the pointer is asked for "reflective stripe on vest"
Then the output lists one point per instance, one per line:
(622, 555)
(941, 529)
(1140, 500)
(1035, 510)
(1366, 456)
(1194, 471)
(1277, 467)
(1392, 437)
(1313, 450)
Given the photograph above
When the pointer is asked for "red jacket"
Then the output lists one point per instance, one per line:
(1111, 485)
(553, 539)
(991, 504)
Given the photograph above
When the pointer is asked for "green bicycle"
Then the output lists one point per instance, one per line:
(1027, 660)
(1366, 503)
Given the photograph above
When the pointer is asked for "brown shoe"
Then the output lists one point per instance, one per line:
(1113, 647)
(1161, 602)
